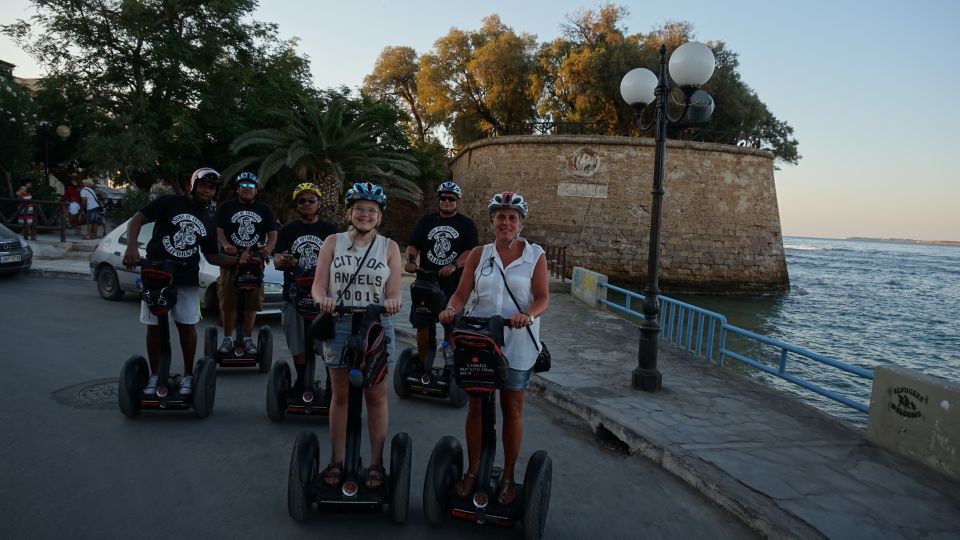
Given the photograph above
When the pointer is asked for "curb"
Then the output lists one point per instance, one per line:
(61, 274)
(757, 511)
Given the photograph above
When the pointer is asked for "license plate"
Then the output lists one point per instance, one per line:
(10, 259)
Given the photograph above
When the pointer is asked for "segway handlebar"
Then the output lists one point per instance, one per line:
(373, 309)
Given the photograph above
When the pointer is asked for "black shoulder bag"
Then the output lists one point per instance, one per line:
(323, 327)
(543, 361)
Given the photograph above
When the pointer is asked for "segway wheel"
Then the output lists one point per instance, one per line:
(204, 387)
(264, 349)
(443, 470)
(536, 494)
(458, 397)
(210, 342)
(401, 455)
(408, 359)
(304, 468)
(133, 377)
(278, 386)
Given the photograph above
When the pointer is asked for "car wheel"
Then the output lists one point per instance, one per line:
(108, 284)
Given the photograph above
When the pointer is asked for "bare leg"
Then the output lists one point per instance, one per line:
(188, 344)
(338, 413)
(377, 418)
(511, 404)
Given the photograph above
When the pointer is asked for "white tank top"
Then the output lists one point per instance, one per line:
(492, 298)
(371, 281)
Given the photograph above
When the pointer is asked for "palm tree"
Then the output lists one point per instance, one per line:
(326, 146)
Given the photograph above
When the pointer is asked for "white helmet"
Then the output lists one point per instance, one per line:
(510, 201)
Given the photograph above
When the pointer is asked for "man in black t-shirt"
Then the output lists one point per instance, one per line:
(243, 224)
(298, 244)
(442, 240)
(182, 229)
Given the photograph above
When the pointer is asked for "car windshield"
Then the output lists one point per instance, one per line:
(146, 231)
(7, 234)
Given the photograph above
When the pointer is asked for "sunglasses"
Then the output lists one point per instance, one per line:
(248, 185)
(304, 200)
(448, 199)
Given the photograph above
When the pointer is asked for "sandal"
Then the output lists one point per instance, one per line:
(331, 475)
(508, 492)
(465, 485)
(376, 476)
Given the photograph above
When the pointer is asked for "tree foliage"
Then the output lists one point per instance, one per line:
(18, 121)
(165, 84)
(394, 77)
(479, 80)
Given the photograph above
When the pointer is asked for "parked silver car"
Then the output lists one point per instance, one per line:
(113, 279)
(15, 252)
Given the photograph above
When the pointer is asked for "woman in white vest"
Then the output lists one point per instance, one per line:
(524, 271)
(345, 277)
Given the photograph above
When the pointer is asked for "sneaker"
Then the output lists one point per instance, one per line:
(248, 346)
(186, 385)
(151, 387)
(227, 346)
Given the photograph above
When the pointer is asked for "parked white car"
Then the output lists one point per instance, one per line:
(113, 279)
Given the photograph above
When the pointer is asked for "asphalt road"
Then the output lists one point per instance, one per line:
(71, 465)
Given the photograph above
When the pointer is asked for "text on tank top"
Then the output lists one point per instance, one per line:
(369, 285)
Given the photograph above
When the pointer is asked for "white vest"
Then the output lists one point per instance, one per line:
(369, 287)
(491, 298)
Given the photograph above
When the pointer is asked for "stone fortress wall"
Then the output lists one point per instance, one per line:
(720, 228)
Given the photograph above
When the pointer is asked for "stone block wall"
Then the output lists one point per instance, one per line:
(720, 227)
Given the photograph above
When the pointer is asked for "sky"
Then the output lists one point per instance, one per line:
(877, 160)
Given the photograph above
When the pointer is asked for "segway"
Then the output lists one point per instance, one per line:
(414, 376)
(365, 356)
(481, 370)
(159, 292)
(249, 278)
(314, 400)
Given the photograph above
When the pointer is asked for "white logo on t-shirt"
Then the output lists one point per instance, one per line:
(306, 248)
(246, 233)
(183, 243)
(442, 253)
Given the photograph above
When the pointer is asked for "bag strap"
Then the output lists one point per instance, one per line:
(529, 331)
(359, 267)
(90, 189)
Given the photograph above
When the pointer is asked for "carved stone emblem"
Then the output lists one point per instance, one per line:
(585, 162)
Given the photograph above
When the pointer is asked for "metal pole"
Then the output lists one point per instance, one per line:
(46, 153)
(647, 377)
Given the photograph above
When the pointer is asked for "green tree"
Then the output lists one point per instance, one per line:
(333, 141)
(479, 80)
(18, 121)
(160, 79)
(394, 77)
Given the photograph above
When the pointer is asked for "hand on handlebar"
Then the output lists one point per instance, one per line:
(245, 256)
(410, 268)
(326, 304)
(392, 307)
(230, 249)
(447, 315)
(448, 270)
(131, 256)
(264, 252)
(520, 320)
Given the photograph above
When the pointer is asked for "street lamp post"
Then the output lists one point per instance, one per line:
(691, 65)
(46, 152)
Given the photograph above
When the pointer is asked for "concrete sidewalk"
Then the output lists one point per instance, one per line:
(782, 467)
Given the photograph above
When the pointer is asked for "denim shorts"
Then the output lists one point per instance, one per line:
(332, 348)
(517, 379)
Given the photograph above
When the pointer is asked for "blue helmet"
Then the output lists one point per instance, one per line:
(450, 187)
(366, 191)
(247, 177)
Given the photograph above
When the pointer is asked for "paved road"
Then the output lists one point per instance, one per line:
(73, 466)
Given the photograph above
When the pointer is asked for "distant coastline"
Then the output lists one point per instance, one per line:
(906, 241)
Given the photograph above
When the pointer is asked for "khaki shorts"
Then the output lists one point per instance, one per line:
(229, 296)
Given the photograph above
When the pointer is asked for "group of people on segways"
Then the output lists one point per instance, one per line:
(343, 313)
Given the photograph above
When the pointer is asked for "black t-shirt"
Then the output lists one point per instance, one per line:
(441, 241)
(303, 241)
(181, 230)
(245, 225)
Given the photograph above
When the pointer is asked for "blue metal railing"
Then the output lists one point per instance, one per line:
(701, 331)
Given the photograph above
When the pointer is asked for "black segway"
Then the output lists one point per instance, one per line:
(249, 278)
(365, 356)
(314, 400)
(159, 292)
(480, 371)
(415, 376)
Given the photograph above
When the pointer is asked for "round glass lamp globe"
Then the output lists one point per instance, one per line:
(638, 86)
(63, 131)
(692, 64)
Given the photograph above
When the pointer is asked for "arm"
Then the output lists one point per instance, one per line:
(321, 279)
(541, 296)
(392, 289)
(271, 241)
(460, 297)
(132, 255)
(411, 266)
(226, 246)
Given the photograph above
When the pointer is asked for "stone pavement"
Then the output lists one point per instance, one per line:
(784, 468)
